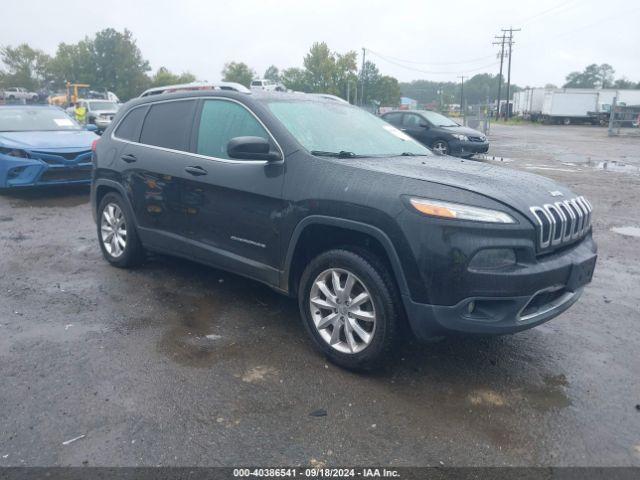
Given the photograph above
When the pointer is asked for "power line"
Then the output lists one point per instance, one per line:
(473, 60)
(431, 72)
(534, 18)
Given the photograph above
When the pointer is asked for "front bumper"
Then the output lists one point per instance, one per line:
(534, 294)
(465, 148)
(21, 172)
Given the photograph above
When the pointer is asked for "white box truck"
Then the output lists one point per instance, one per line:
(562, 106)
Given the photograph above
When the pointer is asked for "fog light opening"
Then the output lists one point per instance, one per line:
(471, 306)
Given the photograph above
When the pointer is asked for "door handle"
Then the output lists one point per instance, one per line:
(129, 158)
(197, 171)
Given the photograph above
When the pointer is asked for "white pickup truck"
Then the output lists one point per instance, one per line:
(19, 93)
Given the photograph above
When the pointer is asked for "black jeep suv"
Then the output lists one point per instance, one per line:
(327, 203)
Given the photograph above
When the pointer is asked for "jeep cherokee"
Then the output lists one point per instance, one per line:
(325, 202)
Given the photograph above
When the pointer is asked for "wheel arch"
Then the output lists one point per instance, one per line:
(318, 233)
(103, 186)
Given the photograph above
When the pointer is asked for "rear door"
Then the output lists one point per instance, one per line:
(236, 223)
(154, 172)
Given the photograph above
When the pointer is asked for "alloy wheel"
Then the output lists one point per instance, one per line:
(441, 147)
(342, 310)
(113, 230)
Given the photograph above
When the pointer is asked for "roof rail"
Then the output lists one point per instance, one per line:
(185, 87)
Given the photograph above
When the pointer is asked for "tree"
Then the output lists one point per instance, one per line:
(110, 60)
(238, 72)
(272, 73)
(591, 77)
(320, 64)
(26, 67)
(295, 79)
(165, 77)
(624, 83)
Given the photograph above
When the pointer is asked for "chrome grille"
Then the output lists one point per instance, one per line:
(563, 222)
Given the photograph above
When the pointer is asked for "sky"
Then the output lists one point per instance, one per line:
(408, 39)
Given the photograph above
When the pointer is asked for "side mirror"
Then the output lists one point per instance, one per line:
(91, 127)
(424, 124)
(251, 148)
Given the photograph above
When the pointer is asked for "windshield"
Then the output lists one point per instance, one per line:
(25, 119)
(339, 127)
(438, 120)
(103, 106)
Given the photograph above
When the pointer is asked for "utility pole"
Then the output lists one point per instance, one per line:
(501, 43)
(511, 42)
(364, 53)
(462, 109)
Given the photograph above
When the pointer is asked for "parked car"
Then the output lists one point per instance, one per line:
(42, 145)
(19, 93)
(99, 112)
(266, 85)
(438, 132)
(325, 202)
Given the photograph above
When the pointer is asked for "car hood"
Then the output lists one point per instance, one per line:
(517, 189)
(48, 140)
(462, 130)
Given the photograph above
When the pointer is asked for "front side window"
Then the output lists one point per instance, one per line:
(34, 119)
(168, 125)
(221, 121)
(339, 127)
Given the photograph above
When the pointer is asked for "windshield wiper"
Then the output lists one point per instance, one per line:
(340, 154)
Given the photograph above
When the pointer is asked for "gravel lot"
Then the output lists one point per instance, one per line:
(179, 364)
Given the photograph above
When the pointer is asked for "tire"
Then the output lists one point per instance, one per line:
(123, 251)
(440, 146)
(369, 276)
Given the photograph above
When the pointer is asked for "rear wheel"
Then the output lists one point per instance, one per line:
(117, 235)
(350, 308)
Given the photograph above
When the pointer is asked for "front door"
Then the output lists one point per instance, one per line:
(237, 204)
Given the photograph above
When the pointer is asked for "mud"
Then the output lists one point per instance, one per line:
(175, 363)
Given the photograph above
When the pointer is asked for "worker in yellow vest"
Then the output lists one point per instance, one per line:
(81, 113)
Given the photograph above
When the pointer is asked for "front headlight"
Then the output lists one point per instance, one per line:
(458, 211)
(14, 152)
(459, 136)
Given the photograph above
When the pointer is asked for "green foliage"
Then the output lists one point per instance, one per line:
(25, 67)
(272, 73)
(591, 77)
(238, 72)
(295, 79)
(479, 89)
(165, 77)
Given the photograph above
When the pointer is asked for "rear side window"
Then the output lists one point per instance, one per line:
(129, 128)
(221, 121)
(411, 120)
(393, 118)
(168, 125)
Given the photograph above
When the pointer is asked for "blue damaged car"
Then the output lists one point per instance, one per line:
(42, 145)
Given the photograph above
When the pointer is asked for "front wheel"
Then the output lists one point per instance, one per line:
(117, 235)
(441, 147)
(350, 308)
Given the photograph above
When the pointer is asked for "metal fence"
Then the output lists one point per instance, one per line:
(624, 119)
(478, 117)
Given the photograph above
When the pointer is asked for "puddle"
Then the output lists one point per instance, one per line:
(627, 231)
